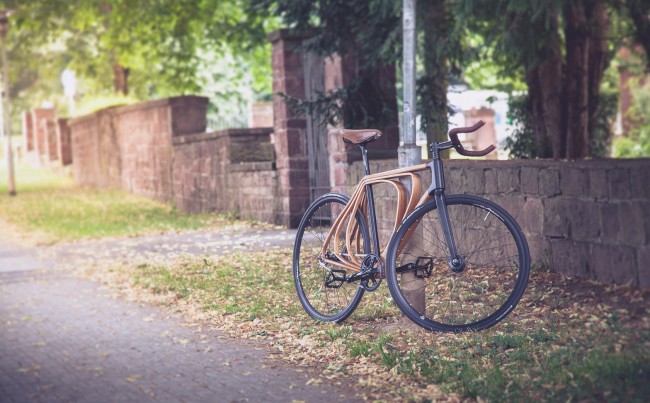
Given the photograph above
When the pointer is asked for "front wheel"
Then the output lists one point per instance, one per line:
(322, 288)
(479, 293)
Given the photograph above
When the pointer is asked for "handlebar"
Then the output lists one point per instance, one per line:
(453, 135)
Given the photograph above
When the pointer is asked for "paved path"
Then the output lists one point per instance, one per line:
(66, 339)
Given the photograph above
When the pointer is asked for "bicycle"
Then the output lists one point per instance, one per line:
(453, 263)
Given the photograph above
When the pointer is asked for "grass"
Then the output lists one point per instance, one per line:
(56, 209)
(566, 341)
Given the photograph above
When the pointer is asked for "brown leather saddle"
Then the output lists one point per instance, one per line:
(360, 137)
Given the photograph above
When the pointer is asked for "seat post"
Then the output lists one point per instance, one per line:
(371, 202)
(364, 156)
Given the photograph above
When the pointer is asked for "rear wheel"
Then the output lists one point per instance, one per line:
(477, 293)
(321, 287)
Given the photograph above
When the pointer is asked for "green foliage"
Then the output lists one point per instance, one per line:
(637, 144)
(359, 105)
(522, 142)
(601, 130)
(516, 30)
(169, 47)
(91, 104)
(368, 28)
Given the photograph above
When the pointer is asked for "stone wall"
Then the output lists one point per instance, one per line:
(160, 150)
(230, 170)
(129, 147)
(289, 126)
(46, 140)
(64, 146)
(589, 219)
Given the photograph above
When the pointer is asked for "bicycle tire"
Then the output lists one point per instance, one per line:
(494, 278)
(333, 302)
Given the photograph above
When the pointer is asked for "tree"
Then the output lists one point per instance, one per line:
(562, 49)
(371, 31)
(368, 30)
(143, 48)
(436, 25)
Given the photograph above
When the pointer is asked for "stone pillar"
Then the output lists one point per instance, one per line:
(64, 145)
(289, 129)
(40, 116)
(340, 72)
(260, 114)
(28, 132)
(52, 146)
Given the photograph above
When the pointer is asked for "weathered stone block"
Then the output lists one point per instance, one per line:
(532, 219)
(549, 182)
(610, 224)
(472, 181)
(530, 180)
(454, 181)
(250, 148)
(619, 184)
(556, 222)
(188, 114)
(584, 219)
(632, 221)
(574, 181)
(640, 182)
(490, 181)
(643, 266)
(614, 263)
(540, 250)
(508, 180)
(570, 257)
(598, 184)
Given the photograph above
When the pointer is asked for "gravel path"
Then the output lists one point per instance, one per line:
(64, 338)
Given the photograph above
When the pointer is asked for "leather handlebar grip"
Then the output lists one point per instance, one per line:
(453, 135)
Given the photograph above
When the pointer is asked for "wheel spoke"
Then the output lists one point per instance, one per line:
(488, 285)
(334, 300)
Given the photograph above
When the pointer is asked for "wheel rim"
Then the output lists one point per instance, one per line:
(485, 290)
(322, 292)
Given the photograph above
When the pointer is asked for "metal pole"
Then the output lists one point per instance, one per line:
(408, 118)
(409, 153)
(6, 123)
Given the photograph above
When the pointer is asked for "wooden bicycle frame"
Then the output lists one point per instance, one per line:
(362, 200)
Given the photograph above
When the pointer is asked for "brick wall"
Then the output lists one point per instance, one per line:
(160, 150)
(589, 219)
(130, 147)
(289, 127)
(39, 135)
(64, 147)
(230, 170)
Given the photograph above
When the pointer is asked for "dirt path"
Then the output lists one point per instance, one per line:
(67, 339)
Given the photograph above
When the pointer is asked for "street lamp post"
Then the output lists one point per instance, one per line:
(410, 153)
(4, 105)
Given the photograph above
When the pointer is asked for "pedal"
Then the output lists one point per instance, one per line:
(423, 267)
(335, 278)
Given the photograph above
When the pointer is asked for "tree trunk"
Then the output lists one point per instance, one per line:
(577, 80)
(535, 105)
(599, 27)
(545, 92)
(551, 90)
(120, 79)
(436, 68)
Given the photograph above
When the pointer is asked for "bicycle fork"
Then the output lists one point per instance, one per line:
(437, 190)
